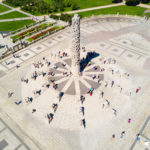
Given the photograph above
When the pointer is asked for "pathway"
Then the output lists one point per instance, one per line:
(6, 12)
(144, 5)
(15, 19)
(93, 8)
(16, 9)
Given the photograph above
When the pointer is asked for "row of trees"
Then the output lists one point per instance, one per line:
(132, 2)
(136, 2)
(42, 7)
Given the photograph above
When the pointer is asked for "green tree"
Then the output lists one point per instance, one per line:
(117, 1)
(132, 2)
(145, 1)
(75, 6)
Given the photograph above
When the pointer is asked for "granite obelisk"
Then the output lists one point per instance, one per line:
(75, 45)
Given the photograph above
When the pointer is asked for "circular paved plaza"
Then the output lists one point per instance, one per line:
(122, 66)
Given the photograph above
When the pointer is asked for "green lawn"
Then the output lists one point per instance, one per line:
(3, 8)
(14, 25)
(130, 10)
(14, 14)
(88, 3)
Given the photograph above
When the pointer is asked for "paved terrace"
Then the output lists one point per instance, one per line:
(124, 39)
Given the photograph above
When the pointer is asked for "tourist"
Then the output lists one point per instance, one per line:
(83, 123)
(55, 67)
(122, 134)
(95, 67)
(103, 105)
(30, 99)
(52, 73)
(54, 85)
(107, 103)
(137, 90)
(113, 136)
(48, 64)
(17, 66)
(102, 93)
(7, 63)
(138, 137)
(19, 102)
(120, 90)
(43, 73)
(129, 120)
(82, 99)
(38, 92)
(112, 83)
(33, 110)
(63, 64)
(47, 85)
(10, 94)
(55, 106)
(61, 95)
(93, 76)
(91, 90)
(112, 71)
(50, 117)
(82, 110)
(105, 84)
(115, 111)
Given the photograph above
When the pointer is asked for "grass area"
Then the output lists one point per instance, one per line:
(3, 8)
(123, 10)
(14, 14)
(86, 3)
(14, 25)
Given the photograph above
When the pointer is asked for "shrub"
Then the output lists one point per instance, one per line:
(145, 1)
(62, 27)
(75, 6)
(117, 1)
(132, 2)
(54, 17)
(67, 3)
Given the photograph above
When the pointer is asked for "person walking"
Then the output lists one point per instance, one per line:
(129, 120)
(82, 110)
(55, 106)
(115, 111)
(113, 136)
(112, 84)
(120, 90)
(102, 93)
(138, 137)
(83, 123)
(82, 99)
(112, 71)
(122, 134)
(108, 103)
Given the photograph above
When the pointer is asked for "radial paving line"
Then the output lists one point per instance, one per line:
(67, 85)
(62, 80)
(77, 86)
(85, 83)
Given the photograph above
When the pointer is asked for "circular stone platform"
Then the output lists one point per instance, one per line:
(71, 85)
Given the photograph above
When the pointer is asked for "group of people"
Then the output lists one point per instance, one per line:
(50, 116)
(82, 109)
